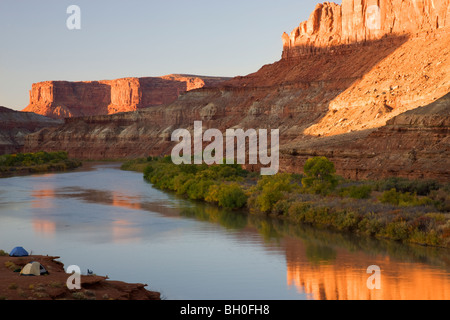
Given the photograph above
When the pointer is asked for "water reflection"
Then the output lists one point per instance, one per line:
(44, 227)
(344, 277)
(333, 266)
(124, 231)
(313, 262)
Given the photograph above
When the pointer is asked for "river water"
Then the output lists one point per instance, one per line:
(114, 223)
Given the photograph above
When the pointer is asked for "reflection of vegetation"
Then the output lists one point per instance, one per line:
(39, 162)
(320, 254)
(267, 230)
(407, 212)
(354, 243)
(227, 219)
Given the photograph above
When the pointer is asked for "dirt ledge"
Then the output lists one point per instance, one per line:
(53, 286)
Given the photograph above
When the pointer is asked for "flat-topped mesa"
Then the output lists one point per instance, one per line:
(64, 99)
(360, 21)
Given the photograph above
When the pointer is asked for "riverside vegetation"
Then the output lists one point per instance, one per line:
(410, 211)
(39, 162)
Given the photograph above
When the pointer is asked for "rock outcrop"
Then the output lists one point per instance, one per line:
(63, 99)
(346, 102)
(15, 125)
(360, 21)
(415, 144)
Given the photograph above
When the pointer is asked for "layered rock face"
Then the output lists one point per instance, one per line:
(415, 144)
(353, 103)
(62, 99)
(15, 125)
(360, 21)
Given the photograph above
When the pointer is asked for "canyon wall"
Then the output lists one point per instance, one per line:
(360, 21)
(63, 99)
(366, 106)
(15, 125)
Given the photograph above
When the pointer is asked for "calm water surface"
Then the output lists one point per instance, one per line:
(116, 224)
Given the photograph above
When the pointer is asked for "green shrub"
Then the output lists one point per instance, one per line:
(441, 199)
(30, 159)
(297, 211)
(198, 190)
(397, 231)
(281, 208)
(419, 187)
(230, 196)
(403, 199)
(271, 189)
(320, 176)
(356, 192)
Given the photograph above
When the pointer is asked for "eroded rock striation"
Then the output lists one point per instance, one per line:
(15, 125)
(64, 99)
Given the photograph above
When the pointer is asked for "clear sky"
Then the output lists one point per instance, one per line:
(138, 38)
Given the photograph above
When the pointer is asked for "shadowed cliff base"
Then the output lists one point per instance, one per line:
(15, 125)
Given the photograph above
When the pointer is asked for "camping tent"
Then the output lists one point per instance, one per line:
(18, 252)
(33, 269)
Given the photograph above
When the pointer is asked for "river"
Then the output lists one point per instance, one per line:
(114, 223)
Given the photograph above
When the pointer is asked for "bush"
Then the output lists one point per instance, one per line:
(271, 189)
(198, 190)
(281, 208)
(319, 176)
(31, 159)
(356, 192)
(230, 196)
(441, 199)
(403, 199)
(419, 187)
(397, 230)
(297, 211)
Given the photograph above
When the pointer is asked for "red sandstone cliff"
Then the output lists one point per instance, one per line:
(340, 102)
(63, 99)
(359, 21)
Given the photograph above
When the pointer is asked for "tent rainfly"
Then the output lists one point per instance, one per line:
(33, 269)
(18, 252)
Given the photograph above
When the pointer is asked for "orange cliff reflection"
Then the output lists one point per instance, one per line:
(121, 230)
(118, 200)
(44, 200)
(43, 197)
(44, 226)
(125, 232)
(340, 275)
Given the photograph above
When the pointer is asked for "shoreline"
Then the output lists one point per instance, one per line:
(417, 222)
(22, 164)
(53, 286)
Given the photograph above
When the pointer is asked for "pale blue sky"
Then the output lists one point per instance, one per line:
(137, 38)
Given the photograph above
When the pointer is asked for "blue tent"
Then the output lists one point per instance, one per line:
(18, 252)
